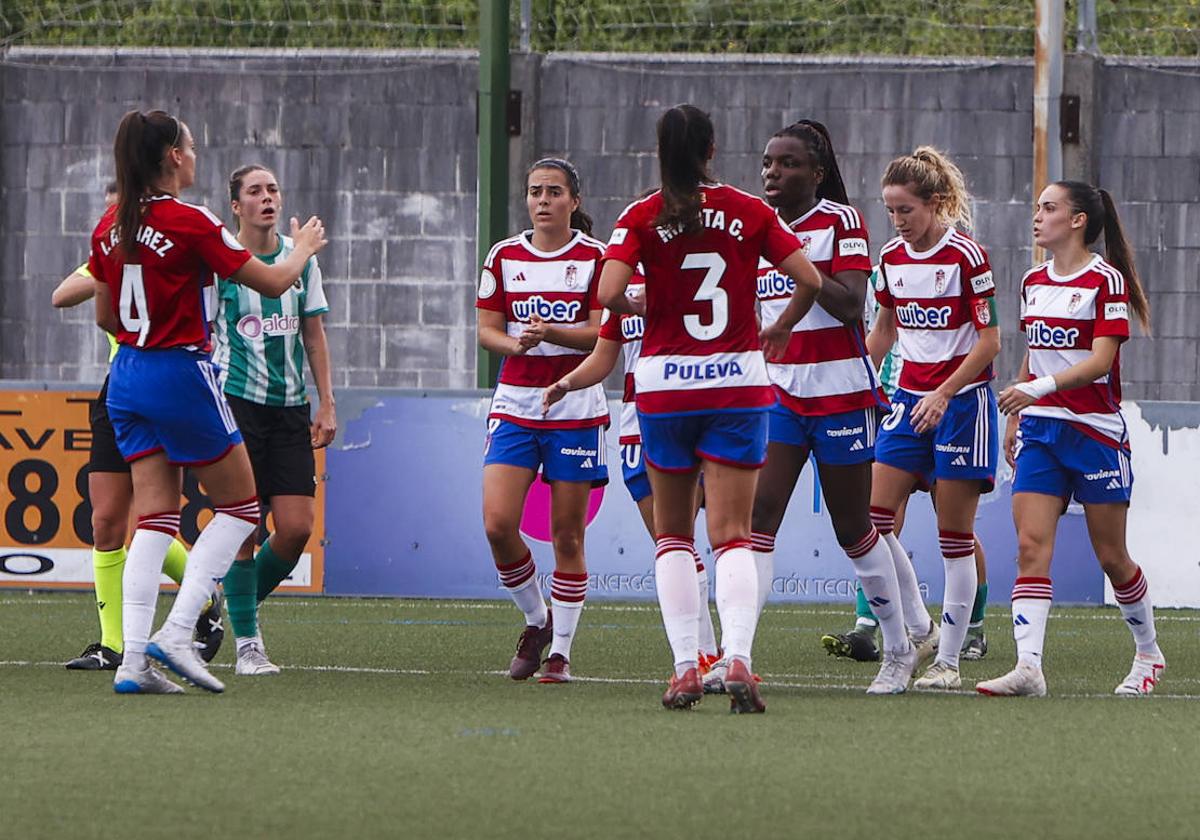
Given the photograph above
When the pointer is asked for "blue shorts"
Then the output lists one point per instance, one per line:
(563, 454)
(963, 446)
(169, 401)
(633, 470)
(1056, 459)
(835, 439)
(677, 443)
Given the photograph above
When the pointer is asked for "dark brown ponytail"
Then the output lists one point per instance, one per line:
(141, 144)
(685, 144)
(1102, 217)
(820, 147)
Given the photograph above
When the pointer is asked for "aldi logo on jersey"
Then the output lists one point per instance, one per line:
(562, 311)
(251, 327)
(914, 316)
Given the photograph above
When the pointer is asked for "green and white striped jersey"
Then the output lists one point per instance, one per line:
(259, 345)
(889, 371)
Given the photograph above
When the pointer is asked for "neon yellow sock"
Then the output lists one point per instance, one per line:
(176, 561)
(108, 567)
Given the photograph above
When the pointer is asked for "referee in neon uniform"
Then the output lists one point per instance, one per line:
(261, 345)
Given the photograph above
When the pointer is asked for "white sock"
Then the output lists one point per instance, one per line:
(567, 591)
(209, 560)
(1133, 597)
(520, 579)
(763, 546)
(958, 556)
(708, 634)
(139, 582)
(877, 575)
(737, 598)
(678, 598)
(1031, 599)
(916, 617)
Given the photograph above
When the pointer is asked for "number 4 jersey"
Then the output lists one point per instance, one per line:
(700, 351)
(164, 293)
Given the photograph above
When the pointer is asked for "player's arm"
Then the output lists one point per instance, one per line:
(493, 334)
(316, 347)
(75, 288)
(577, 338)
(882, 337)
(804, 274)
(273, 280)
(591, 371)
(1014, 419)
(614, 280)
(1023, 393)
(928, 411)
(843, 294)
(106, 318)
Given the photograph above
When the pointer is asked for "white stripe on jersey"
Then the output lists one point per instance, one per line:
(515, 328)
(1116, 281)
(545, 275)
(699, 373)
(979, 455)
(969, 249)
(932, 346)
(1056, 302)
(821, 379)
(526, 403)
(1044, 362)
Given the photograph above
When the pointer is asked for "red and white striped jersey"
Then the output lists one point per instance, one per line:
(1060, 317)
(942, 298)
(700, 349)
(825, 369)
(560, 288)
(628, 330)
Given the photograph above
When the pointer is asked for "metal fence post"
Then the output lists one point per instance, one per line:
(492, 223)
(1047, 98)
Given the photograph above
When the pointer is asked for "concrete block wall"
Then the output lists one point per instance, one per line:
(383, 146)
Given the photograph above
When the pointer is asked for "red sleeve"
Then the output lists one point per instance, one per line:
(490, 294)
(624, 244)
(594, 286)
(977, 280)
(610, 326)
(1112, 307)
(217, 247)
(883, 295)
(851, 248)
(1024, 303)
(779, 241)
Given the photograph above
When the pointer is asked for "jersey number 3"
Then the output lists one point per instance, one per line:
(710, 291)
(133, 296)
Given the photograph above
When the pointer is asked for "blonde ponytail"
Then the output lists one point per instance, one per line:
(929, 172)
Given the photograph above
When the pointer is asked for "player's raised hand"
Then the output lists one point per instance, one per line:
(309, 237)
(553, 394)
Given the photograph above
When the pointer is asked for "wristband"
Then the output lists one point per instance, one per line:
(1038, 388)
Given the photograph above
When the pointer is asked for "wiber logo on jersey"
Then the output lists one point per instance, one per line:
(915, 316)
(1042, 335)
(633, 327)
(562, 311)
(773, 285)
(252, 327)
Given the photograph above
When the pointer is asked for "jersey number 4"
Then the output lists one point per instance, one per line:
(133, 298)
(710, 291)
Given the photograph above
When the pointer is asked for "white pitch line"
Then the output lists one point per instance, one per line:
(802, 686)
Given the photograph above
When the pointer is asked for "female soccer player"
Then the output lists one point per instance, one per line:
(828, 393)
(261, 345)
(154, 256)
(1072, 439)
(701, 382)
(537, 308)
(937, 298)
(110, 493)
(622, 336)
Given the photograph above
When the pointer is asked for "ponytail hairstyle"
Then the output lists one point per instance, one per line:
(820, 149)
(929, 173)
(579, 220)
(1102, 217)
(142, 142)
(685, 144)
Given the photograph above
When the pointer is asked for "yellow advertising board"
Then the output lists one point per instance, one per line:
(45, 514)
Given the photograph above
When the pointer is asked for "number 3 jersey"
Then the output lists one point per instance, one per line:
(700, 351)
(942, 298)
(1061, 316)
(825, 369)
(163, 293)
(559, 287)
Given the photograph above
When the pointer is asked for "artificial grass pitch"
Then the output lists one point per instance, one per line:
(394, 719)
